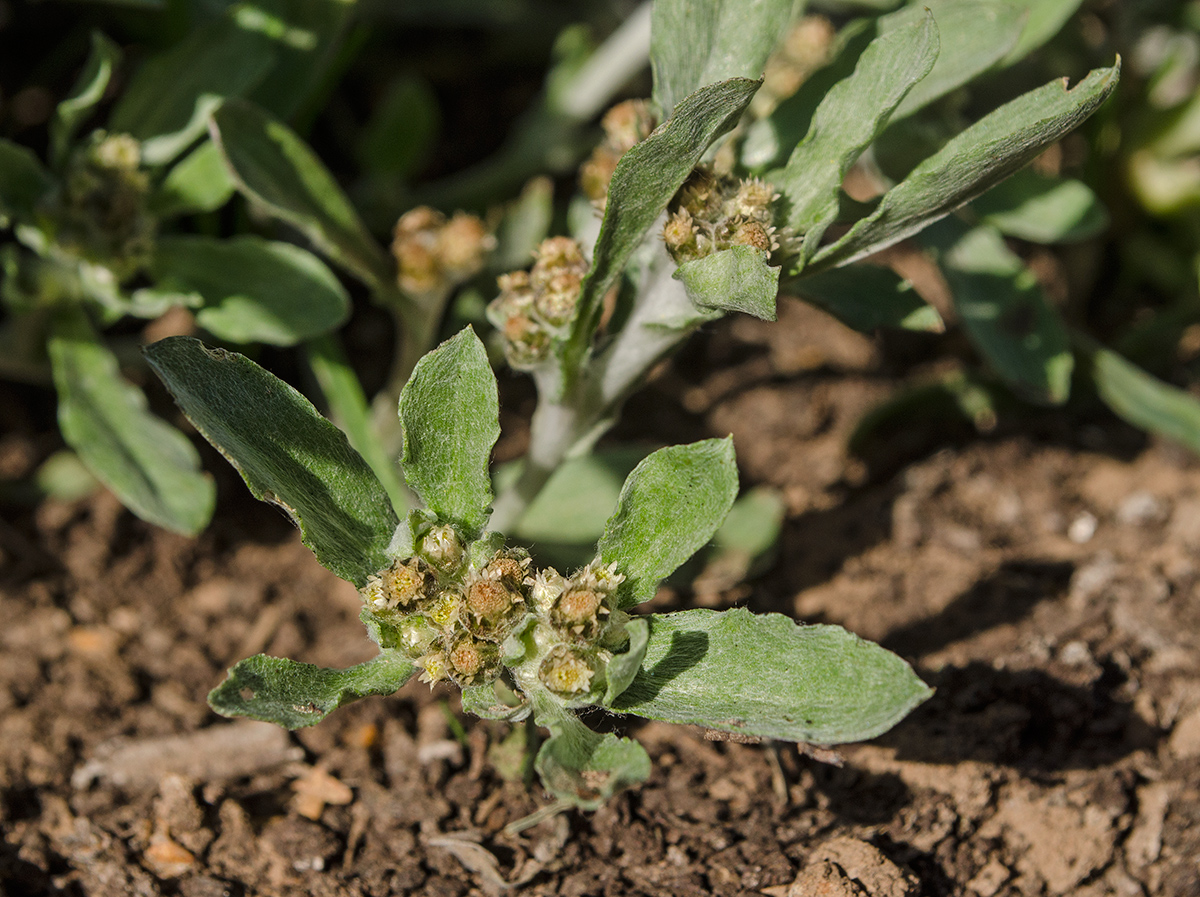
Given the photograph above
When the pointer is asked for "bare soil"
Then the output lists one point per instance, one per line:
(1043, 579)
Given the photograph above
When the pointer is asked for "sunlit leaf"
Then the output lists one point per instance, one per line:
(285, 451)
(764, 675)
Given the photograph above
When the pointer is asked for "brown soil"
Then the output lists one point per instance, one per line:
(1046, 585)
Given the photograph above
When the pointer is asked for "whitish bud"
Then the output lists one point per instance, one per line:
(442, 547)
(434, 667)
(568, 671)
(544, 588)
(414, 635)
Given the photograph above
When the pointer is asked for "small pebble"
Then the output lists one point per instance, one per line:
(1082, 528)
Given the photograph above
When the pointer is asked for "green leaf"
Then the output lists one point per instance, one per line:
(977, 159)
(769, 141)
(623, 668)
(696, 44)
(766, 676)
(23, 182)
(1005, 313)
(1042, 209)
(294, 695)
(285, 451)
(581, 767)
(310, 53)
(167, 102)
(277, 170)
(199, 183)
(737, 279)
(645, 180)
(151, 467)
(451, 418)
(351, 411)
(1139, 398)
(975, 35)
(400, 135)
(85, 95)
(866, 297)
(669, 508)
(1044, 19)
(852, 114)
(254, 290)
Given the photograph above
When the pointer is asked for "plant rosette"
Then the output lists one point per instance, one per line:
(444, 598)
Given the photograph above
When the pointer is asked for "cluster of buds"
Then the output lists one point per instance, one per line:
(712, 212)
(536, 307)
(434, 254)
(102, 209)
(624, 125)
(452, 617)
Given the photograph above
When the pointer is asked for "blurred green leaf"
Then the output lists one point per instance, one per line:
(277, 170)
(63, 476)
(669, 508)
(84, 97)
(693, 45)
(763, 675)
(285, 451)
(400, 134)
(1005, 313)
(769, 141)
(1139, 398)
(977, 159)
(450, 413)
(575, 504)
(254, 290)
(525, 224)
(167, 102)
(294, 695)
(1044, 19)
(866, 297)
(736, 279)
(149, 465)
(199, 183)
(852, 114)
(1042, 209)
(307, 36)
(975, 35)
(23, 182)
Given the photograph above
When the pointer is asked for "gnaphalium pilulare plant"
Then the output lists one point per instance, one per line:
(712, 204)
(445, 598)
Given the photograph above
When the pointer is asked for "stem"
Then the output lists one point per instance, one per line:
(417, 319)
(568, 420)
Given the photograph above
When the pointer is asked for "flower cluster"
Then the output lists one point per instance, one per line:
(624, 125)
(102, 210)
(537, 306)
(454, 618)
(434, 254)
(713, 211)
